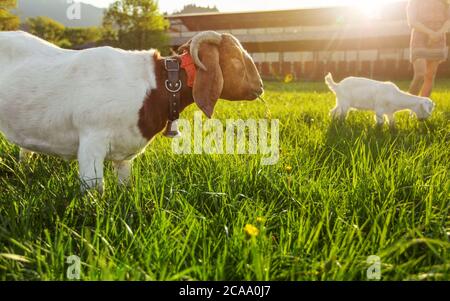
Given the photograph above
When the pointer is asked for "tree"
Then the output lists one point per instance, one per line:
(137, 24)
(194, 9)
(80, 37)
(48, 29)
(70, 37)
(8, 21)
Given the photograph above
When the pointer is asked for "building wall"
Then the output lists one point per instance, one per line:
(313, 65)
(381, 63)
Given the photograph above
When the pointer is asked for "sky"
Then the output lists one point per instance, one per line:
(250, 5)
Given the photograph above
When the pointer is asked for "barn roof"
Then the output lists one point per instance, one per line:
(284, 18)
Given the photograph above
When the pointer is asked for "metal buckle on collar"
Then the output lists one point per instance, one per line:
(172, 65)
(178, 86)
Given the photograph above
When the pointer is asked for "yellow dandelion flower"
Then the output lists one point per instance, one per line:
(288, 168)
(251, 230)
(288, 78)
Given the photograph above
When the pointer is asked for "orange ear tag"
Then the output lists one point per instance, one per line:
(187, 63)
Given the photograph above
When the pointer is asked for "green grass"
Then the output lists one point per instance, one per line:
(353, 191)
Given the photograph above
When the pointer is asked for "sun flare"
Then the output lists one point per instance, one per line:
(370, 9)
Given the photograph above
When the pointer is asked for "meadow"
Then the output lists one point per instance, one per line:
(339, 194)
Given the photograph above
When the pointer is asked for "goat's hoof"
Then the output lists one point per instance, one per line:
(125, 184)
(91, 191)
(379, 126)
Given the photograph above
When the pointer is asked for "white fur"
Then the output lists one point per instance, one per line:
(383, 98)
(74, 104)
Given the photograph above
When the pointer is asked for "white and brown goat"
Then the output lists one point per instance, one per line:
(105, 103)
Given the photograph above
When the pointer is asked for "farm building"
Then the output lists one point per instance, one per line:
(308, 43)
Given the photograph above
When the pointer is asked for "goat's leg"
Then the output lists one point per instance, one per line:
(123, 171)
(339, 113)
(343, 113)
(334, 113)
(379, 117)
(24, 154)
(91, 155)
(391, 120)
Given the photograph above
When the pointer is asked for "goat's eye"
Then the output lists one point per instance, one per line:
(237, 63)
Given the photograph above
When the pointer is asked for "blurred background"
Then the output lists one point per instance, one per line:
(289, 40)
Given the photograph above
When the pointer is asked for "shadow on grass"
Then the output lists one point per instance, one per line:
(344, 136)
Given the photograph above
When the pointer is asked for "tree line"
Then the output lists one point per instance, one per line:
(127, 24)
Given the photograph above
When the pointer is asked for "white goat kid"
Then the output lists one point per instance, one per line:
(383, 98)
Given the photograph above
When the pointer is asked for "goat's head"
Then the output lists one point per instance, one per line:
(224, 70)
(424, 108)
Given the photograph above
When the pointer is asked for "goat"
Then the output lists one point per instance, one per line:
(384, 98)
(105, 103)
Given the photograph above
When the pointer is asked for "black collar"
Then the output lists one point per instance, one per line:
(173, 86)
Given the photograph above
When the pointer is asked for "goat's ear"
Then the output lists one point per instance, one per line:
(431, 107)
(208, 83)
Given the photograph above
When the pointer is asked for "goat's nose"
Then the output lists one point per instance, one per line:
(259, 91)
(255, 94)
(262, 90)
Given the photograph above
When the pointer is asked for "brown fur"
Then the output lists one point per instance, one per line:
(208, 84)
(230, 75)
(154, 114)
(240, 75)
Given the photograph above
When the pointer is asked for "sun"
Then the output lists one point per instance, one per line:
(370, 9)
